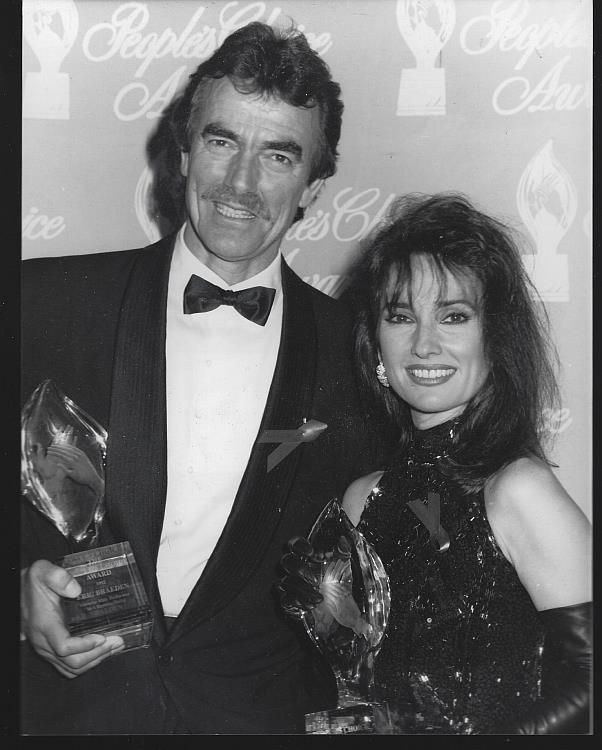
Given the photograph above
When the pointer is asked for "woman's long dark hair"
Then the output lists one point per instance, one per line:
(504, 420)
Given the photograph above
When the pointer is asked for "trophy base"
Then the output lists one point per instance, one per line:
(421, 92)
(360, 718)
(112, 600)
(46, 96)
(550, 275)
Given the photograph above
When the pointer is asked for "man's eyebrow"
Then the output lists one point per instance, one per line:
(220, 131)
(213, 128)
(289, 147)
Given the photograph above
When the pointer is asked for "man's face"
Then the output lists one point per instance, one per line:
(247, 173)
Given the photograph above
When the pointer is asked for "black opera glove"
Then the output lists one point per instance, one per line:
(564, 707)
(299, 589)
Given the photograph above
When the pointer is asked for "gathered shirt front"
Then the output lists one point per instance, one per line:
(220, 368)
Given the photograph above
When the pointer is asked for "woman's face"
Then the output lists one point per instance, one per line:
(432, 347)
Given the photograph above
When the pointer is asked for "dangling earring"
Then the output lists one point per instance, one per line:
(381, 375)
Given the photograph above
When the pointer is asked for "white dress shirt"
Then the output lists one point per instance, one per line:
(219, 371)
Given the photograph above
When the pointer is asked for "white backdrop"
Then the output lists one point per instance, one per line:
(489, 97)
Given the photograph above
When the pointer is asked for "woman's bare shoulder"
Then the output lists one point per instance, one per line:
(542, 531)
(527, 485)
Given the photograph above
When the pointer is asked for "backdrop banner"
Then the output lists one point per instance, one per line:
(492, 98)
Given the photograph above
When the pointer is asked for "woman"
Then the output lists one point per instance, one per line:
(487, 555)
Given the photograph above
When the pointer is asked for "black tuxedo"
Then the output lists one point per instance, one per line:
(95, 324)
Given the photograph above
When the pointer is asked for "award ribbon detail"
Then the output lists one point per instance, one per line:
(290, 439)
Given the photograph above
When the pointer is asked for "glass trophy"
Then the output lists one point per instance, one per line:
(62, 474)
(348, 625)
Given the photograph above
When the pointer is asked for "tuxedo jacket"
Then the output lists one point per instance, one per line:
(232, 663)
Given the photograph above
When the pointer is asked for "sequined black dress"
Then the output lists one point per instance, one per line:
(462, 652)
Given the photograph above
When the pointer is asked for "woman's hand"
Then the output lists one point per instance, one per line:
(298, 589)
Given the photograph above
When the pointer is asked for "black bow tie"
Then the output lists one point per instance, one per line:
(254, 303)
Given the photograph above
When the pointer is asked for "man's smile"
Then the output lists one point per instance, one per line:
(233, 213)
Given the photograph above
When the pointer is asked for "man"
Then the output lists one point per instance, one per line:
(185, 387)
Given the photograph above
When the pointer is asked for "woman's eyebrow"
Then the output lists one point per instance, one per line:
(457, 301)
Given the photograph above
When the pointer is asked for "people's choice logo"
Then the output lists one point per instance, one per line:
(126, 35)
(353, 216)
(39, 226)
(506, 28)
(50, 28)
(426, 26)
(556, 421)
(547, 202)
(587, 225)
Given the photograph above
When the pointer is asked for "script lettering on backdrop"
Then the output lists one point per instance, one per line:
(353, 216)
(546, 198)
(426, 26)
(38, 226)
(50, 28)
(504, 27)
(125, 36)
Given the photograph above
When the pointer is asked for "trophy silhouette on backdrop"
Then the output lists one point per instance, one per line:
(50, 28)
(62, 476)
(348, 625)
(547, 202)
(426, 27)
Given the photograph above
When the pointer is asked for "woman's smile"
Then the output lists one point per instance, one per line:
(432, 375)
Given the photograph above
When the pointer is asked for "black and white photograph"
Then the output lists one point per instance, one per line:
(306, 367)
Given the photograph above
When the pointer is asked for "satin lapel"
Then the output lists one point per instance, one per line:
(136, 450)
(262, 496)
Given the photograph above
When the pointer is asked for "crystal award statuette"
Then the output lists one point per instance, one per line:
(62, 475)
(349, 623)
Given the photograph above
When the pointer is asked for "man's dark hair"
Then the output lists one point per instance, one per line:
(257, 59)
(261, 60)
(504, 420)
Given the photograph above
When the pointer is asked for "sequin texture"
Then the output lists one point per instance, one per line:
(462, 652)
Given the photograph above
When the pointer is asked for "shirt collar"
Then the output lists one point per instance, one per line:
(184, 264)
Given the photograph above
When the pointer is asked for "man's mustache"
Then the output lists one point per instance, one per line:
(248, 201)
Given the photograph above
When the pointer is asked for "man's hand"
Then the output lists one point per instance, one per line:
(42, 586)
